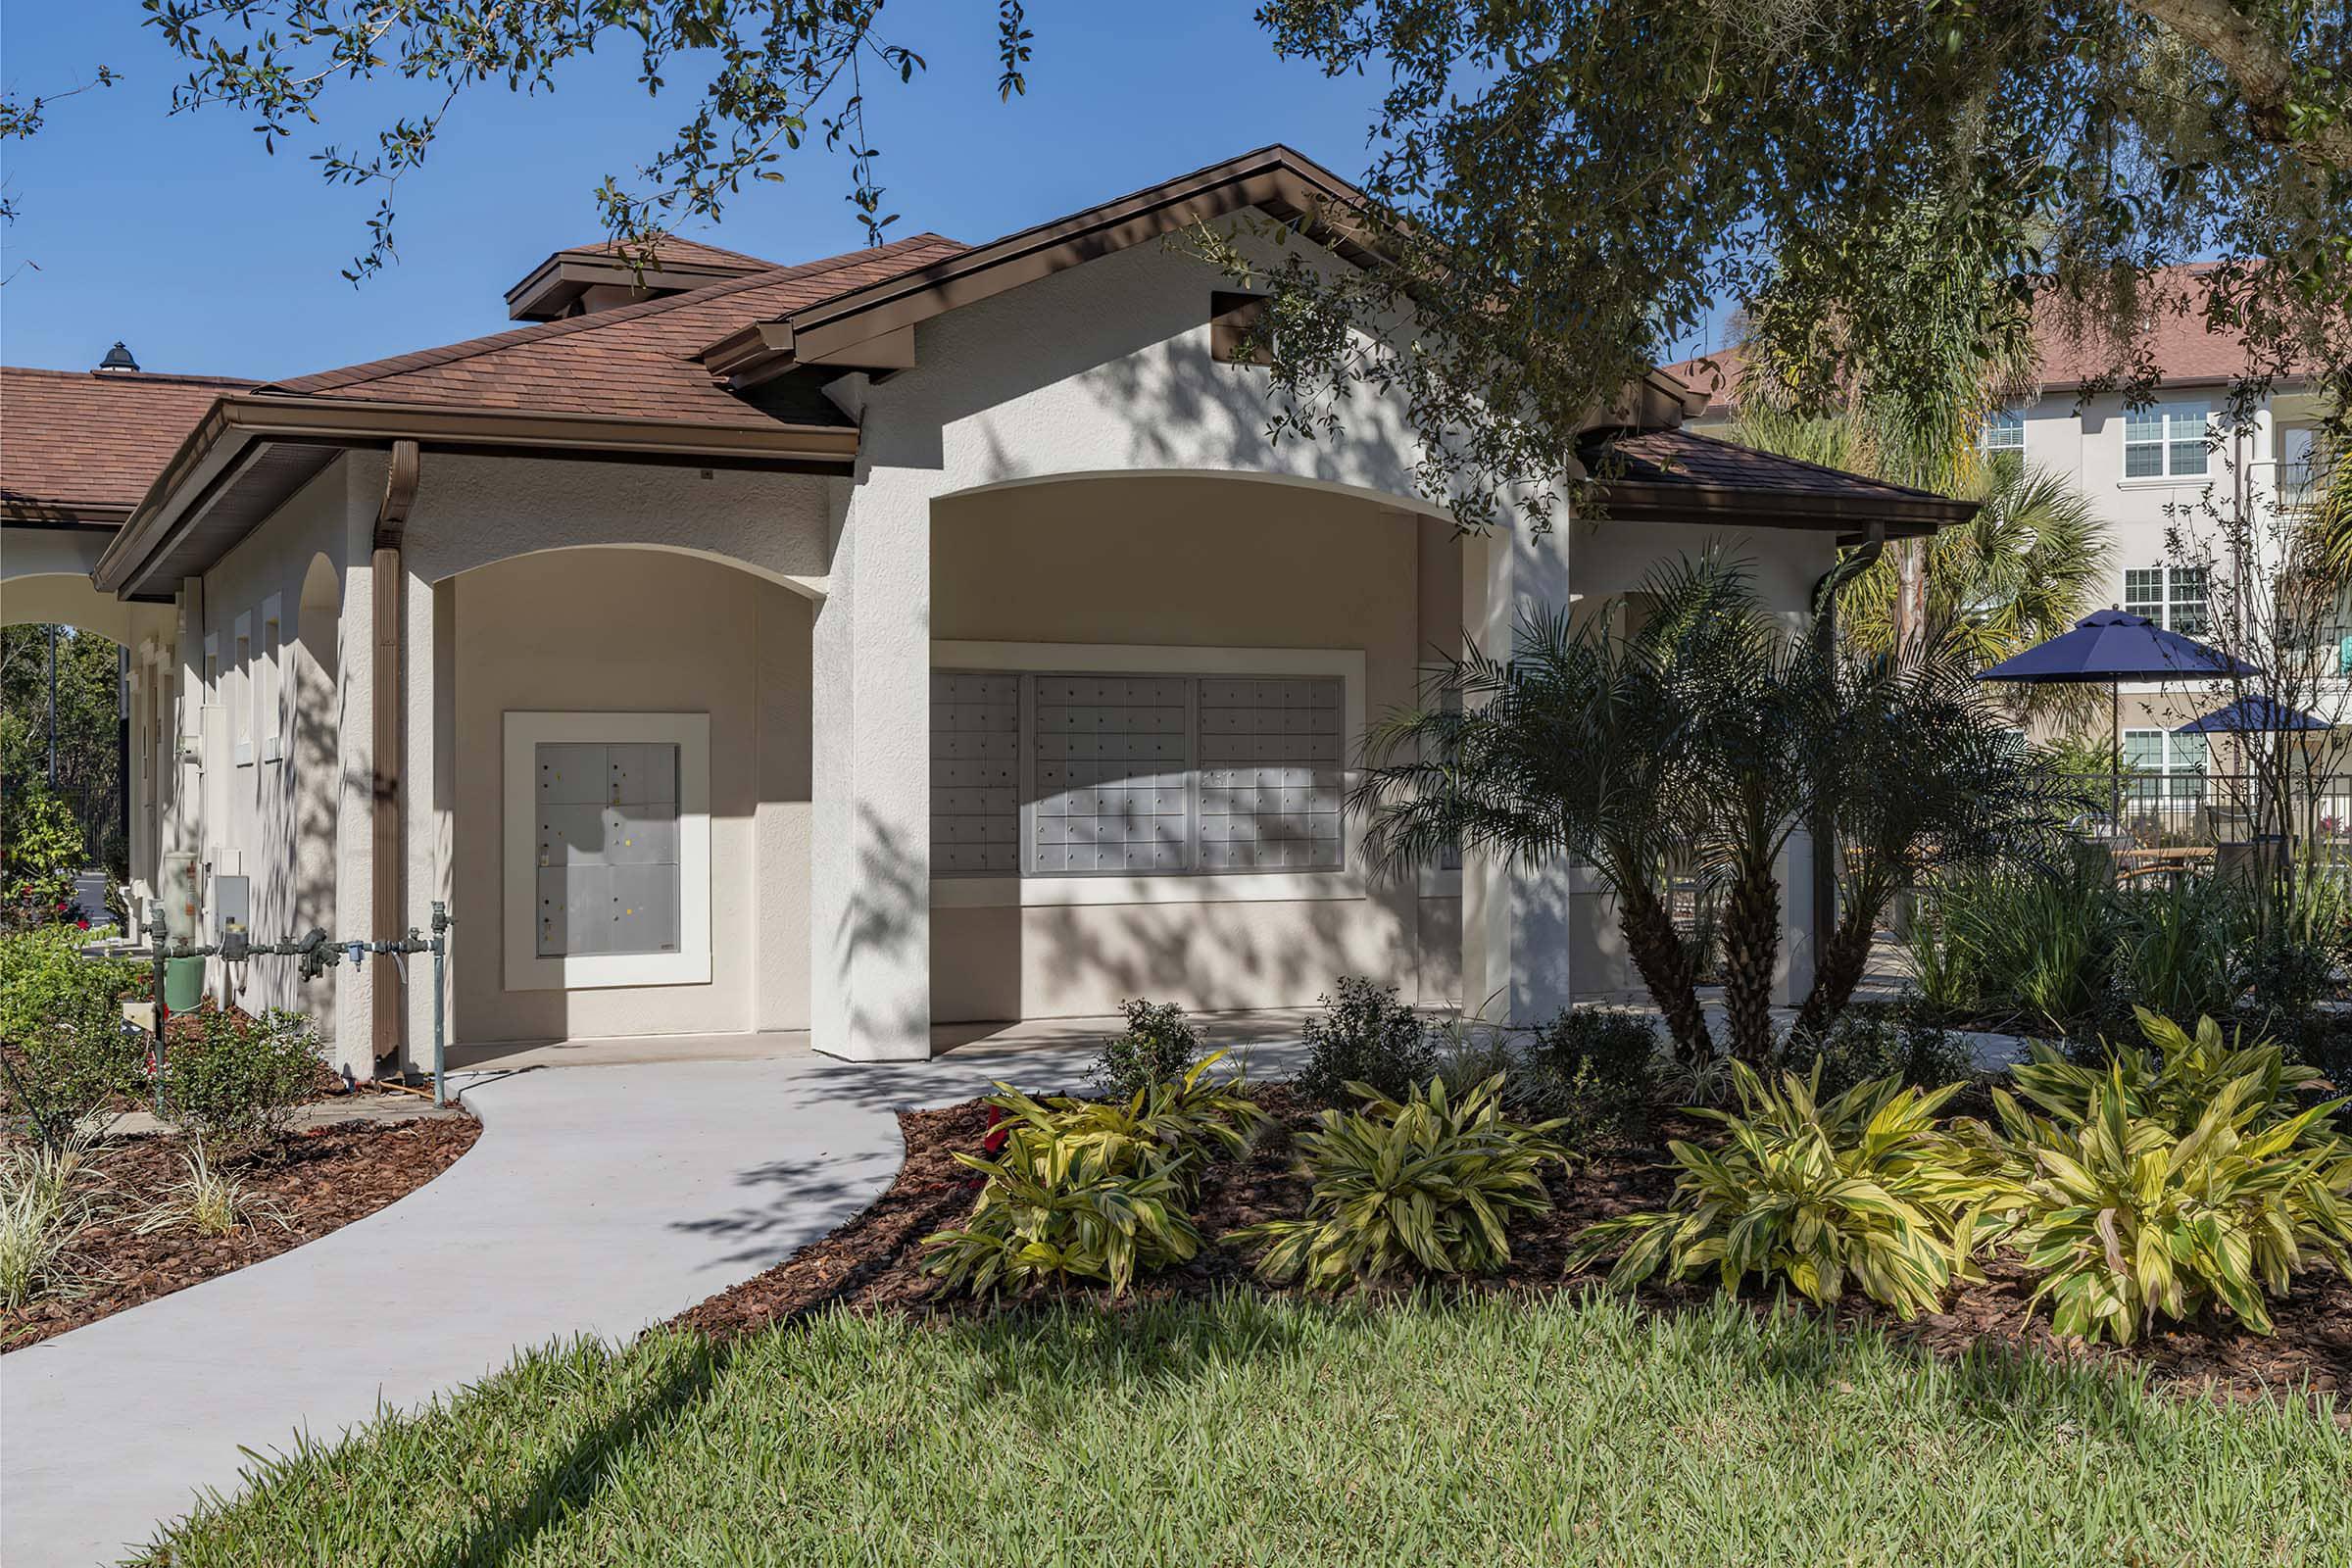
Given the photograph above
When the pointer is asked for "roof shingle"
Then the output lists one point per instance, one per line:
(71, 440)
(636, 361)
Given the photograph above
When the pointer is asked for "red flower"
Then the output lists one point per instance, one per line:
(998, 1133)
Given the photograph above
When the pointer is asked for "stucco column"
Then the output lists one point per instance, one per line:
(428, 785)
(870, 866)
(1793, 974)
(353, 1048)
(1516, 922)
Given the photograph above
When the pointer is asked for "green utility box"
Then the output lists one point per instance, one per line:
(184, 984)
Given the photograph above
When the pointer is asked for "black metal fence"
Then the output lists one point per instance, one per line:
(2311, 812)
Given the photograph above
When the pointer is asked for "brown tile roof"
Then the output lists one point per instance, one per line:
(75, 440)
(636, 361)
(2175, 341)
(671, 251)
(1686, 458)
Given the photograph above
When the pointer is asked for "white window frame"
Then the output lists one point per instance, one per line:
(270, 654)
(2170, 601)
(1185, 887)
(2170, 748)
(2005, 420)
(241, 723)
(525, 969)
(2176, 418)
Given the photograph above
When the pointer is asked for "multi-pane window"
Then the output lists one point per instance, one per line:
(975, 773)
(2166, 441)
(610, 873)
(2004, 430)
(2174, 764)
(1134, 774)
(2173, 597)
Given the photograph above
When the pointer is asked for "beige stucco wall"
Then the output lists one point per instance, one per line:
(625, 629)
(274, 818)
(1189, 563)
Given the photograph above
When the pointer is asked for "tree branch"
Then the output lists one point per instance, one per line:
(2262, 72)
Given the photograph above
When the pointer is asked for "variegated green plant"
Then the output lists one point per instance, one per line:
(1093, 1190)
(2131, 1219)
(1862, 1190)
(1053, 1207)
(1432, 1181)
(2174, 1080)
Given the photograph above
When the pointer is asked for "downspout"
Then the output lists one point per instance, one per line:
(387, 613)
(1824, 641)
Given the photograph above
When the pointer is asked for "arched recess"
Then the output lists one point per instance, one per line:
(625, 631)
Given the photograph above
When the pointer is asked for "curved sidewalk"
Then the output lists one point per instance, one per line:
(598, 1200)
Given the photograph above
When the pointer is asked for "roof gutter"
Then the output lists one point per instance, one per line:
(241, 424)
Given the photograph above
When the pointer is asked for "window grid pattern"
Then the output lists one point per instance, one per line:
(975, 773)
(2175, 762)
(2004, 430)
(1112, 763)
(2167, 440)
(610, 876)
(1270, 779)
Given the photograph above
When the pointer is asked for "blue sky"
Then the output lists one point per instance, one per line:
(181, 236)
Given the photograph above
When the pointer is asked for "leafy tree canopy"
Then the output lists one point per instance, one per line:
(1562, 187)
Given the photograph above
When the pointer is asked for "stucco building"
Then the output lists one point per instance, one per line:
(918, 636)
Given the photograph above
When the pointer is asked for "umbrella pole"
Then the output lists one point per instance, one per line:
(2115, 761)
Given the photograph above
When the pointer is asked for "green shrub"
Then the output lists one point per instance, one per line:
(1432, 1181)
(2174, 1080)
(1868, 1043)
(1158, 1047)
(232, 1078)
(2039, 941)
(42, 1212)
(65, 1050)
(1594, 1071)
(41, 848)
(1862, 1189)
(1180, 1123)
(1366, 1036)
(2130, 1218)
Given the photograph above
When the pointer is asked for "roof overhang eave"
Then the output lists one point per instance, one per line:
(221, 451)
(1851, 519)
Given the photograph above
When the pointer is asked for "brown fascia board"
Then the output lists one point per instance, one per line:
(564, 276)
(241, 427)
(1902, 516)
(61, 516)
(845, 330)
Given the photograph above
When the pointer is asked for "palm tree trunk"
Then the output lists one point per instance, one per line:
(1751, 944)
(1664, 962)
(1838, 969)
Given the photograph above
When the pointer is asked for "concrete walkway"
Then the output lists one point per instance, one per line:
(599, 1200)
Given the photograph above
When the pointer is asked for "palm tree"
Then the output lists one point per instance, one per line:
(1702, 736)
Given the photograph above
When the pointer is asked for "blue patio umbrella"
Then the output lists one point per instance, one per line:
(2110, 648)
(2253, 716)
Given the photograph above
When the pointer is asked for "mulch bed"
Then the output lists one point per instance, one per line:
(315, 1181)
(874, 1263)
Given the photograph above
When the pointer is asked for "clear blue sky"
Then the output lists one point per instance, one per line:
(181, 236)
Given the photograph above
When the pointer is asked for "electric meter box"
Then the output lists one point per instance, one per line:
(231, 907)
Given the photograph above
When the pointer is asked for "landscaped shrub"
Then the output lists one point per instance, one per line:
(1869, 1042)
(40, 849)
(1862, 1189)
(2175, 1080)
(65, 1052)
(208, 1200)
(42, 1211)
(232, 1078)
(1158, 1047)
(2039, 941)
(2131, 1219)
(1182, 1122)
(1432, 1181)
(1594, 1070)
(1366, 1036)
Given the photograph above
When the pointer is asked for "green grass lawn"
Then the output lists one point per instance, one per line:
(1254, 1432)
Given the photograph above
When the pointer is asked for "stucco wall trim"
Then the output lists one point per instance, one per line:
(1046, 892)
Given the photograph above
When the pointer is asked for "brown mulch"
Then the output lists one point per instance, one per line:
(874, 1263)
(310, 1182)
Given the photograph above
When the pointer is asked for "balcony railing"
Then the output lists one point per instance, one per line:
(2184, 810)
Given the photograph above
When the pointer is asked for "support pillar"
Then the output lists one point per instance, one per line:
(1517, 922)
(870, 864)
